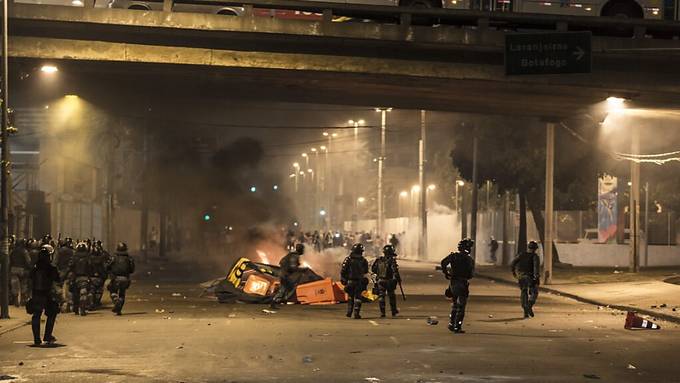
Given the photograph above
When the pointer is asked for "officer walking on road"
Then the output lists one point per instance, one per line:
(353, 277)
(63, 257)
(98, 263)
(79, 281)
(387, 276)
(19, 266)
(458, 268)
(43, 276)
(120, 268)
(290, 264)
(526, 268)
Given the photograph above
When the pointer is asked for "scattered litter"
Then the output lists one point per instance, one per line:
(158, 286)
(374, 323)
(600, 307)
(432, 321)
(21, 363)
(266, 311)
(307, 359)
(167, 317)
(373, 380)
(394, 340)
(148, 273)
(316, 370)
(159, 311)
(179, 347)
(591, 376)
(553, 330)
(597, 352)
(176, 294)
(430, 276)
(631, 367)
(663, 305)
(618, 272)
(490, 315)
(231, 316)
(355, 352)
(7, 377)
(653, 306)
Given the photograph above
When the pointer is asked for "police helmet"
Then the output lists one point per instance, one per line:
(82, 246)
(45, 252)
(465, 245)
(532, 245)
(121, 248)
(388, 250)
(358, 248)
(300, 248)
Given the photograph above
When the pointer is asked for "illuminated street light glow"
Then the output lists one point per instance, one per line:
(206, 217)
(325, 134)
(403, 194)
(302, 173)
(334, 135)
(296, 165)
(253, 189)
(415, 189)
(322, 212)
(431, 187)
(276, 187)
(310, 171)
(322, 147)
(49, 69)
(313, 150)
(72, 96)
(292, 175)
(460, 183)
(615, 104)
(304, 154)
(361, 199)
(77, 3)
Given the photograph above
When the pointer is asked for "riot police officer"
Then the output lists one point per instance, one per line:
(62, 260)
(79, 281)
(120, 268)
(526, 268)
(43, 276)
(98, 262)
(289, 265)
(20, 266)
(458, 268)
(387, 276)
(353, 277)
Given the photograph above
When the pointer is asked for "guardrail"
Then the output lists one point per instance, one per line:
(605, 26)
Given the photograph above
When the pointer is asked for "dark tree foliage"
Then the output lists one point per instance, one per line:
(512, 155)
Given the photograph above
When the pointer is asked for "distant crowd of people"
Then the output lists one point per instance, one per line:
(320, 240)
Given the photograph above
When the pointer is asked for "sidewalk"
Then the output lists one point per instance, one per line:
(17, 318)
(644, 292)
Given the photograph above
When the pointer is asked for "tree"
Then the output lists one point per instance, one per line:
(513, 157)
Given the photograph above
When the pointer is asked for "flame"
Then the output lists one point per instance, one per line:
(263, 256)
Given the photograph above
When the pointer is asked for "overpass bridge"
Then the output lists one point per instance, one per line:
(457, 65)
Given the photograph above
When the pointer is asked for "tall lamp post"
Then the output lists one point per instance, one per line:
(327, 179)
(4, 172)
(381, 170)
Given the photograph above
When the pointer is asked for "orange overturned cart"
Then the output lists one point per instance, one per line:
(323, 292)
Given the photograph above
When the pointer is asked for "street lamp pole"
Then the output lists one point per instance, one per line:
(4, 168)
(634, 261)
(381, 169)
(423, 194)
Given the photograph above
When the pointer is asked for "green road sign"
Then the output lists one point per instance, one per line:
(547, 53)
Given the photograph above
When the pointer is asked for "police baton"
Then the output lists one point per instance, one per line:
(402, 290)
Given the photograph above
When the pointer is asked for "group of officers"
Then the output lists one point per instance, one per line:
(457, 267)
(64, 276)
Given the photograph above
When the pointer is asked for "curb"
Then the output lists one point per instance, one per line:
(662, 316)
(17, 326)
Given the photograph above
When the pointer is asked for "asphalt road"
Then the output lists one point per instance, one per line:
(186, 338)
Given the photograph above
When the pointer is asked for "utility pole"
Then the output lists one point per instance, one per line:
(506, 236)
(5, 169)
(647, 224)
(144, 234)
(549, 175)
(423, 191)
(381, 169)
(634, 261)
(475, 197)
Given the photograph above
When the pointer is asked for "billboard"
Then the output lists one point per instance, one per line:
(607, 190)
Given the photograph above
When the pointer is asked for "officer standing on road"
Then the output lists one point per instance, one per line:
(79, 281)
(353, 277)
(458, 268)
(98, 262)
(120, 268)
(63, 258)
(526, 268)
(289, 265)
(19, 266)
(43, 276)
(387, 276)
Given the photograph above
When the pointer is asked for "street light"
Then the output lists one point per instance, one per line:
(431, 187)
(459, 183)
(49, 69)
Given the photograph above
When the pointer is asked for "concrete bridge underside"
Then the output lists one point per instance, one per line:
(443, 68)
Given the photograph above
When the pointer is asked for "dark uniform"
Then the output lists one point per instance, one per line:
(43, 277)
(120, 268)
(19, 266)
(526, 268)
(63, 259)
(98, 262)
(387, 276)
(79, 279)
(353, 277)
(289, 265)
(458, 268)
